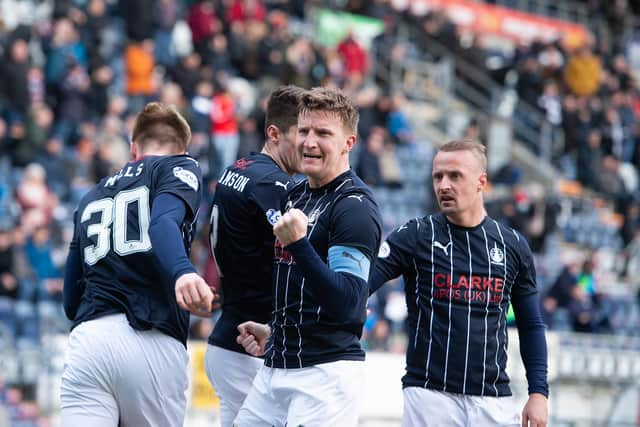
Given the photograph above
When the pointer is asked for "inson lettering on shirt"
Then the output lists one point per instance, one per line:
(460, 279)
(234, 180)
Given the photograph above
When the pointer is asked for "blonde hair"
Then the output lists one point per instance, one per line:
(332, 101)
(473, 146)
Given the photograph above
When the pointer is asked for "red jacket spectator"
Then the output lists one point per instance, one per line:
(354, 57)
(203, 21)
(244, 10)
(223, 114)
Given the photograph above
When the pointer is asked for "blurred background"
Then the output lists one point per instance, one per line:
(550, 86)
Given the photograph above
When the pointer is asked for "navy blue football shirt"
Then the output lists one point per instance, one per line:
(344, 232)
(459, 282)
(246, 205)
(119, 269)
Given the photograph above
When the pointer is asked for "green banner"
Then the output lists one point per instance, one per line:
(332, 27)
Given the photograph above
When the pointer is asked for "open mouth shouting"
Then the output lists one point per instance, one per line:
(446, 199)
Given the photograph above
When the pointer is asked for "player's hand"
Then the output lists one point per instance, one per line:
(291, 227)
(253, 337)
(534, 413)
(195, 295)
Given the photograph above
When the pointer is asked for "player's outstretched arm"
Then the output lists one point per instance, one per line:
(534, 413)
(191, 291)
(253, 337)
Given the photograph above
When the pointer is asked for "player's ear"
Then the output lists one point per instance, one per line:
(273, 134)
(482, 182)
(351, 141)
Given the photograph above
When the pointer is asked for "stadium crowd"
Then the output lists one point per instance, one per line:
(73, 74)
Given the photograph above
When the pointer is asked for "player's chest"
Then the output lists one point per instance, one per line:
(317, 208)
(467, 257)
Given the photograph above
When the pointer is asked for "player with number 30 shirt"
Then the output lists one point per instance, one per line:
(129, 282)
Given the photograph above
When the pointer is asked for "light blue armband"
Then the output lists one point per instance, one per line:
(349, 260)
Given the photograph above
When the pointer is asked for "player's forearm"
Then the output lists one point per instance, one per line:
(166, 239)
(533, 343)
(340, 294)
(73, 286)
(378, 278)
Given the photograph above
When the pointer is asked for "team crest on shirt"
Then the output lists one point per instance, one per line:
(273, 216)
(385, 250)
(496, 254)
(313, 216)
(186, 176)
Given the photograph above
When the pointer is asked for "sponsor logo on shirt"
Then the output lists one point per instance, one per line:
(187, 177)
(468, 288)
(273, 216)
(385, 250)
(281, 254)
(282, 184)
(443, 247)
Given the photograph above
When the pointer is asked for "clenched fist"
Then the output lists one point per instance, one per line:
(253, 337)
(194, 295)
(291, 227)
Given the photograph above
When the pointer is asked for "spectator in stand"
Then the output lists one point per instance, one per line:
(63, 46)
(48, 276)
(139, 63)
(15, 72)
(165, 16)
(272, 49)
(398, 123)
(583, 70)
(72, 107)
(57, 167)
(187, 73)
(35, 198)
(551, 103)
(590, 159)
(353, 55)
(368, 168)
(560, 294)
(224, 125)
(246, 11)
(203, 23)
(138, 16)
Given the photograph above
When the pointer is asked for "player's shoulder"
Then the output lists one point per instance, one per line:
(266, 171)
(504, 232)
(298, 186)
(97, 192)
(511, 237)
(350, 187)
(181, 167)
(179, 160)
